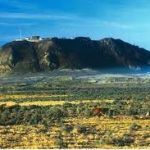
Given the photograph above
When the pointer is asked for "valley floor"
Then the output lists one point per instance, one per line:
(70, 112)
(79, 132)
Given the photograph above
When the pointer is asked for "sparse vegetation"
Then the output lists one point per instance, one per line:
(74, 113)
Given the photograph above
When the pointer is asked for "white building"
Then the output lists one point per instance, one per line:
(31, 39)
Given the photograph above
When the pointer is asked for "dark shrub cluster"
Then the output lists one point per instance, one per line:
(30, 115)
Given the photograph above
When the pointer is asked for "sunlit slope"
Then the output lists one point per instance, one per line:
(78, 53)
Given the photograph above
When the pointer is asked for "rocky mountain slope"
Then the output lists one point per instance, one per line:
(81, 52)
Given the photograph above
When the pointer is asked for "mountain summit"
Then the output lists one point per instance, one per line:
(77, 53)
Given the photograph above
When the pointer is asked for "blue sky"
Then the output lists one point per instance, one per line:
(125, 19)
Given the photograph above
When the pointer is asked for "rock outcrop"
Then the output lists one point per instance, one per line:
(78, 53)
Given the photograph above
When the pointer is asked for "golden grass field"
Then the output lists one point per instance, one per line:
(43, 102)
(100, 135)
(101, 132)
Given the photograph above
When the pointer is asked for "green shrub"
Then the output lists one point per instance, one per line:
(135, 127)
(67, 128)
(125, 140)
(60, 142)
(81, 129)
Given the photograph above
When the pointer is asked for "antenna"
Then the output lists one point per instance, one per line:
(20, 33)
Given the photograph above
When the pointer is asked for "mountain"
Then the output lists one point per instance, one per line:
(77, 53)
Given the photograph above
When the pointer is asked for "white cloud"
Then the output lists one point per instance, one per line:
(8, 24)
(19, 4)
(37, 16)
(69, 20)
(117, 25)
(94, 23)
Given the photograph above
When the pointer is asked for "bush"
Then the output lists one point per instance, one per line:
(135, 127)
(67, 128)
(125, 140)
(81, 129)
(31, 115)
(60, 142)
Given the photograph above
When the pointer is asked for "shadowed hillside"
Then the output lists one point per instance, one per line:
(78, 53)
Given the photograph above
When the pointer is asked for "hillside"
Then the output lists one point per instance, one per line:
(78, 53)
